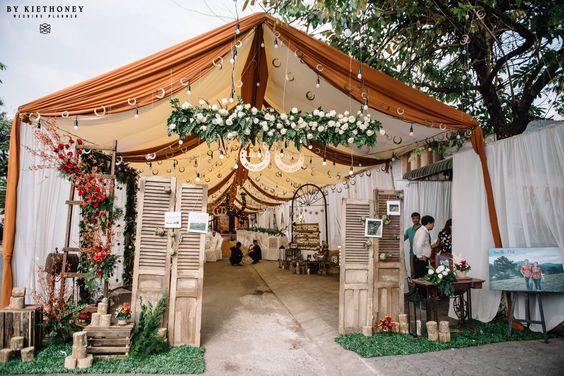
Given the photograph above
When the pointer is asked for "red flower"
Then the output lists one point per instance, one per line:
(102, 213)
(79, 141)
(69, 154)
(99, 272)
(61, 146)
(94, 220)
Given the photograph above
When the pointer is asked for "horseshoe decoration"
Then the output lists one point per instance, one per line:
(238, 84)
(319, 67)
(399, 140)
(65, 114)
(290, 77)
(243, 157)
(310, 96)
(276, 63)
(465, 39)
(34, 117)
(163, 93)
(100, 114)
(181, 169)
(442, 127)
(183, 82)
(218, 62)
(286, 167)
(400, 111)
(119, 161)
(131, 101)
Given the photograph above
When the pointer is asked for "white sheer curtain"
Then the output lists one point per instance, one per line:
(41, 218)
(527, 174)
(427, 198)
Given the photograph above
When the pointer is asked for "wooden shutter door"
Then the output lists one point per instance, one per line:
(187, 276)
(389, 274)
(152, 260)
(355, 289)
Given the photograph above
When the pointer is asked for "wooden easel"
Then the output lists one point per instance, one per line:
(71, 202)
(527, 319)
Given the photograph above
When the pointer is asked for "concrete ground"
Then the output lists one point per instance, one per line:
(260, 320)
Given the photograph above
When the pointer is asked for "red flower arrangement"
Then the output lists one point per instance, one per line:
(462, 266)
(123, 312)
(386, 324)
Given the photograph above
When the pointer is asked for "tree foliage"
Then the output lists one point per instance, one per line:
(146, 340)
(499, 60)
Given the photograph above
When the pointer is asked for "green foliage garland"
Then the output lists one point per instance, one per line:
(248, 124)
(146, 341)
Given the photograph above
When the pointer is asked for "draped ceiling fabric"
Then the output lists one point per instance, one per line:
(262, 75)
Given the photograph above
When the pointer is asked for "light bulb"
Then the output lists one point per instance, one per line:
(221, 155)
(237, 31)
(230, 99)
(235, 166)
(76, 122)
(275, 42)
(197, 176)
(136, 115)
(350, 171)
(458, 137)
(317, 82)
(180, 142)
(411, 130)
(348, 32)
(258, 83)
(188, 88)
(324, 162)
(310, 146)
(232, 61)
(262, 44)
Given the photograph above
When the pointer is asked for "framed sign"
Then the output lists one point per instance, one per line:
(526, 269)
(393, 207)
(373, 228)
(198, 222)
(173, 220)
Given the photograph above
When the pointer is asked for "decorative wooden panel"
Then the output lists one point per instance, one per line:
(355, 291)
(152, 260)
(187, 277)
(389, 274)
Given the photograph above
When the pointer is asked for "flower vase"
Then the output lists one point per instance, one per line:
(122, 322)
(460, 274)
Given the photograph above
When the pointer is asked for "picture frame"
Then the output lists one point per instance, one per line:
(173, 220)
(198, 222)
(373, 227)
(393, 207)
(445, 259)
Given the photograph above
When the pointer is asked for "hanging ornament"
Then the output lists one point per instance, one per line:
(286, 167)
(255, 167)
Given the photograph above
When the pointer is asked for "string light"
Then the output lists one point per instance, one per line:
(282, 153)
(324, 161)
(310, 146)
(411, 130)
(180, 142)
(382, 131)
(197, 176)
(365, 106)
(188, 88)
(235, 166)
(350, 171)
(359, 75)
(275, 42)
(136, 115)
(318, 82)
(76, 122)
(221, 155)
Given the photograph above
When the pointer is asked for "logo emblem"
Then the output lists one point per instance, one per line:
(45, 28)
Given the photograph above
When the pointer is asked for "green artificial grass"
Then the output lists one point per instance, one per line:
(176, 360)
(403, 344)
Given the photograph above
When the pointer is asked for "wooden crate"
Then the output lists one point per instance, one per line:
(109, 343)
(25, 322)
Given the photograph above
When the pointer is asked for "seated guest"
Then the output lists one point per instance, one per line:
(236, 255)
(256, 252)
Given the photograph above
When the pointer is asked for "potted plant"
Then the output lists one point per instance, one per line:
(461, 269)
(443, 277)
(386, 325)
(123, 313)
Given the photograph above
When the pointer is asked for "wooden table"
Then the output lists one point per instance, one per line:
(462, 305)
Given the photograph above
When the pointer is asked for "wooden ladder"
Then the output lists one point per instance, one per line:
(72, 202)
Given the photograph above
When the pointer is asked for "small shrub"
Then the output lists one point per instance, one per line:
(146, 341)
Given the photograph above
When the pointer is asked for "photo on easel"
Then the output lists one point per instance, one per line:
(373, 228)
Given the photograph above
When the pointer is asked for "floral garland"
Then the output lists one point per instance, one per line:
(97, 213)
(248, 124)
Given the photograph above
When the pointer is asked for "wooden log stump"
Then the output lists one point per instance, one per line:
(418, 327)
(18, 292)
(102, 308)
(444, 327)
(28, 354)
(105, 320)
(5, 355)
(79, 339)
(444, 336)
(367, 331)
(85, 362)
(432, 331)
(70, 362)
(78, 352)
(95, 319)
(16, 343)
(396, 327)
(17, 302)
(403, 328)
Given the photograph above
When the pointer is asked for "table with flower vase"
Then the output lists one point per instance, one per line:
(462, 303)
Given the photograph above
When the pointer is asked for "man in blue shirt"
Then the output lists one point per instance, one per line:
(410, 234)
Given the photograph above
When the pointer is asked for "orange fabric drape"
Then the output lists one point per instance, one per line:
(479, 148)
(10, 211)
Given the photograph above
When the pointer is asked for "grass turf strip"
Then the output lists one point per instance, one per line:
(401, 344)
(177, 360)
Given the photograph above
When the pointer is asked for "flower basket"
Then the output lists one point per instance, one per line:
(122, 322)
(459, 274)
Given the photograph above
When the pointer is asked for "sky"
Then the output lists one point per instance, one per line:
(107, 34)
(542, 255)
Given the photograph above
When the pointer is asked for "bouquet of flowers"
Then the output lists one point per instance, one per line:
(462, 266)
(123, 312)
(443, 277)
(386, 325)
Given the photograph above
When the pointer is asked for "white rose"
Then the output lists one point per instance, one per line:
(440, 276)
(341, 131)
(203, 128)
(316, 112)
(279, 126)
(228, 122)
(202, 102)
(309, 136)
(247, 132)
(265, 126)
(214, 121)
(219, 121)
(321, 114)
(199, 117)
(320, 128)
(172, 126)
(267, 116)
(331, 123)
(214, 107)
(313, 124)
(340, 116)
(444, 273)
(300, 120)
(294, 110)
(440, 268)
(186, 105)
(355, 132)
(344, 127)
(254, 110)
(283, 131)
(430, 272)
(247, 106)
(241, 115)
(346, 113)
(351, 119)
(293, 125)
(283, 116)
(369, 132)
(350, 140)
(255, 120)
(270, 133)
(239, 108)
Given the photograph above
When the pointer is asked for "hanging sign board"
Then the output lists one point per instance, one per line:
(173, 219)
(198, 222)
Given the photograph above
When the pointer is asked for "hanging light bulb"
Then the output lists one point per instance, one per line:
(411, 130)
(365, 105)
(258, 83)
(235, 166)
(237, 29)
(38, 123)
(188, 89)
(275, 42)
(282, 153)
(318, 82)
(221, 155)
(382, 131)
(262, 44)
(333, 163)
(359, 74)
(310, 146)
(350, 171)
(197, 176)
(324, 161)
(136, 115)
(76, 122)
(180, 142)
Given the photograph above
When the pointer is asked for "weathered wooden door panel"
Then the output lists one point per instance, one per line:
(389, 274)
(355, 291)
(151, 276)
(187, 277)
